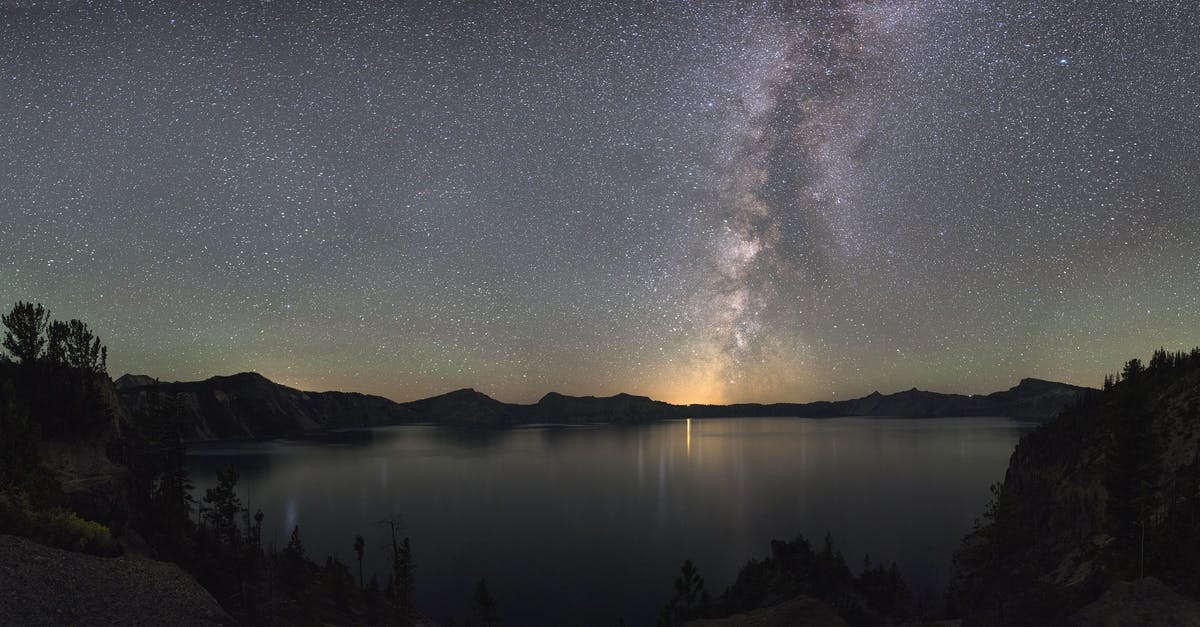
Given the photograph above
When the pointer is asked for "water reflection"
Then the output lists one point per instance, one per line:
(576, 523)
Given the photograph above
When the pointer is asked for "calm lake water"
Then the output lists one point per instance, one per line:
(589, 525)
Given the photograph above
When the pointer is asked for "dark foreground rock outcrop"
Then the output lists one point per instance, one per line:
(1098, 518)
(40, 585)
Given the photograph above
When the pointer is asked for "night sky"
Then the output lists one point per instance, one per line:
(695, 201)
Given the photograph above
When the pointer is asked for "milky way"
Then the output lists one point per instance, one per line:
(797, 126)
(694, 201)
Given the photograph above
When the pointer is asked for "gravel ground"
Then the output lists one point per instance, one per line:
(40, 585)
(799, 612)
(1144, 603)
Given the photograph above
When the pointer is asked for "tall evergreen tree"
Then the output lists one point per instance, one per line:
(689, 587)
(294, 568)
(1133, 450)
(172, 498)
(56, 343)
(26, 329)
(359, 545)
(73, 345)
(485, 603)
(224, 506)
(689, 597)
(402, 564)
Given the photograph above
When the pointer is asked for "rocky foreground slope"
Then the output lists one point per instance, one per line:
(248, 405)
(798, 612)
(40, 585)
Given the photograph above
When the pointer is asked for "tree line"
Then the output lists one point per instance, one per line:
(32, 337)
(876, 596)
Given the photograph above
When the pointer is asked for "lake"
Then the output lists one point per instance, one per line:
(589, 525)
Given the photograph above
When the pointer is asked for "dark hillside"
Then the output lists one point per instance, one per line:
(1107, 492)
(81, 473)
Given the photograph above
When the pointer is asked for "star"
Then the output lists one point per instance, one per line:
(687, 201)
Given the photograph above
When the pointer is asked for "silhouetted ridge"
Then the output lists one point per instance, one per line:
(241, 378)
(130, 381)
(464, 407)
(248, 405)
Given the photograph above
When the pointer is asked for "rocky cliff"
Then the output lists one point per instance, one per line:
(248, 405)
(1106, 493)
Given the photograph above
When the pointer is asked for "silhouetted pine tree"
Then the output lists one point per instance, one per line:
(26, 328)
(402, 580)
(359, 545)
(222, 508)
(294, 569)
(485, 604)
(71, 344)
(172, 499)
(1132, 461)
(689, 597)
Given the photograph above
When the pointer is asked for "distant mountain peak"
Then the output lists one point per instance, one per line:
(461, 395)
(636, 397)
(557, 397)
(467, 393)
(1033, 385)
(244, 378)
(1033, 380)
(129, 381)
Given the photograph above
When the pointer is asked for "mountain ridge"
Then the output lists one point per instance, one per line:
(248, 405)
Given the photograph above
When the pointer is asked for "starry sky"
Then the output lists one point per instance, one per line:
(695, 201)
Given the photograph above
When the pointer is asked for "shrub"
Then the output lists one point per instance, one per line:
(56, 526)
(65, 529)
